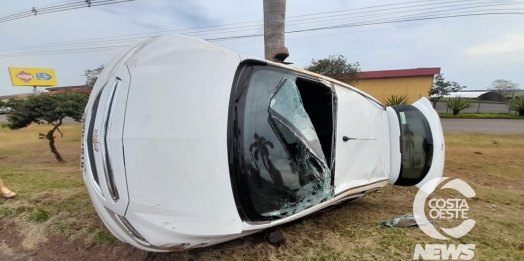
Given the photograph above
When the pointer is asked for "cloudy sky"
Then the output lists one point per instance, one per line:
(472, 50)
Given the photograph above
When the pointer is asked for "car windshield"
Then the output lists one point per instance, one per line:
(284, 169)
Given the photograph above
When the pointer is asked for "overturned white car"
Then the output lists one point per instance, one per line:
(187, 144)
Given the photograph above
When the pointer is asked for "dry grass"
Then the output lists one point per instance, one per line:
(53, 200)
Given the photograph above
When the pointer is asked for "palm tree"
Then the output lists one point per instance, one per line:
(274, 29)
(260, 148)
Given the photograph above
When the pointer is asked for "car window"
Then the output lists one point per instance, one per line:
(283, 165)
(416, 145)
(286, 106)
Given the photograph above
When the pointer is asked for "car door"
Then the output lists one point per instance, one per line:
(417, 144)
(362, 151)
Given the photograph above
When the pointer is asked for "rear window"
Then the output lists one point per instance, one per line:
(416, 145)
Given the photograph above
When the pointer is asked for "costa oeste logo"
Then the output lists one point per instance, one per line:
(444, 209)
(26, 77)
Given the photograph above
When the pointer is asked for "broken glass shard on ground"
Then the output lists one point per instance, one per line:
(403, 221)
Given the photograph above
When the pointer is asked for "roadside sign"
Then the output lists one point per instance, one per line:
(32, 76)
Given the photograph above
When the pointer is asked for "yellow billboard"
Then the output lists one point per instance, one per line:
(32, 76)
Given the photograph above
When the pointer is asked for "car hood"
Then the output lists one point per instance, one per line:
(175, 138)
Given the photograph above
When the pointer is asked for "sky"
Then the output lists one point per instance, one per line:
(473, 51)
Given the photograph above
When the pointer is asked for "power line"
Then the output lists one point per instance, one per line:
(451, 8)
(47, 5)
(115, 48)
(250, 27)
(369, 23)
(311, 16)
(385, 17)
(404, 20)
(363, 23)
(193, 32)
(59, 8)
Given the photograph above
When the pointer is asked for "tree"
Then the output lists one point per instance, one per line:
(336, 66)
(50, 109)
(504, 87)
(13, 103)
(92, 75)
(441, 88)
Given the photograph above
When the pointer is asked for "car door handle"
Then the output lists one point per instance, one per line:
(346, 138)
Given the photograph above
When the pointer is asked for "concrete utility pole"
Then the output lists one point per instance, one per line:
(274, 30)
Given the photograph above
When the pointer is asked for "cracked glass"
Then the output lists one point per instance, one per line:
(283, 163)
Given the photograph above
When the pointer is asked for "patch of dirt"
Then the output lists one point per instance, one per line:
(60, 248)
(10, 242)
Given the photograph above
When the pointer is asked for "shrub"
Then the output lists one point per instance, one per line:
(397, 100)
(517, 104)
(458, 104)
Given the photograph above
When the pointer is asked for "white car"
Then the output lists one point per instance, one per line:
(187, 144)
(4, 110)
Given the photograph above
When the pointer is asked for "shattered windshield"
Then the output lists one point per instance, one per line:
(283, 167)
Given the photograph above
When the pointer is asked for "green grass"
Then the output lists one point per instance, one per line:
(481, 116)
(105, 237)
(39, 216)
(52, 200)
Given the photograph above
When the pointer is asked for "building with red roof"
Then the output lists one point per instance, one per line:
(413, 83)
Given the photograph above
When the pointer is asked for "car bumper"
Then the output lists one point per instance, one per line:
(111, 220)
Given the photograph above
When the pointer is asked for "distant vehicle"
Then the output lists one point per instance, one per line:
(4, 110)
(230, 145)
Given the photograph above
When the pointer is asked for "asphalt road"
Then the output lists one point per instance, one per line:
(483, 108)
(495, 126)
